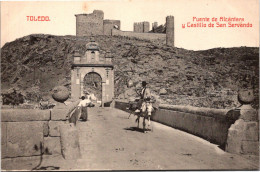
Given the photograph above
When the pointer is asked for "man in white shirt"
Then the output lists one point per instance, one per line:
(83, 104)
(80, 111)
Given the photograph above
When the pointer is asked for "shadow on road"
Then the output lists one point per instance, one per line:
(42, 151)
(136, 129)
(49, 168)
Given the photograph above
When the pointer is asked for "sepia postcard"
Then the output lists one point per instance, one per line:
(129, 85)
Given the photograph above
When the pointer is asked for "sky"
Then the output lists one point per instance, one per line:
(14, 23)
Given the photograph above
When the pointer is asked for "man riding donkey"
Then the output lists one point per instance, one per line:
(144, 106)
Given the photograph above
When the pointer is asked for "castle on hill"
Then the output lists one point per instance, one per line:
(94, 24)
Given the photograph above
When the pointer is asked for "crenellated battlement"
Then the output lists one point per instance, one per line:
(142, 27)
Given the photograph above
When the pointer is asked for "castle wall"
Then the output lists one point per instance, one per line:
(108, 25)
(145, 36)
(93, 24)
(89, 24)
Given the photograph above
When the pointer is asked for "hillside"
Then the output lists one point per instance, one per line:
(35, 64)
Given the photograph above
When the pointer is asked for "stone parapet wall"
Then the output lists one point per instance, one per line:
(144, 36)
(210, 124)
(217, 113)
(22, 138)
(32, 132)
(21, 115)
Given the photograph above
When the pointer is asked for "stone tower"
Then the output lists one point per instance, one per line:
(170, 31)
(146, 26)
(90, 24)
(142, 27)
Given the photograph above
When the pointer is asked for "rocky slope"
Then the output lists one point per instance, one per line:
(35, 64)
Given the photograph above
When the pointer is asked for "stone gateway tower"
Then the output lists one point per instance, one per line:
(170, 31)
(90, 71)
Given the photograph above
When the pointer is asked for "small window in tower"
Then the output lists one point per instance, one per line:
(92, 56)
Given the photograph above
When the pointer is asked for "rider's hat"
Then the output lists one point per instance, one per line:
(144, 83)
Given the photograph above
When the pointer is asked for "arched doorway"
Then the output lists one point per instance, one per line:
(92, 83)
(91, 74)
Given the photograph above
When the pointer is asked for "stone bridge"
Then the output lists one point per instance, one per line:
(182, 138)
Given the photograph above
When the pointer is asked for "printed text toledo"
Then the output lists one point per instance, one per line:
(38, 18)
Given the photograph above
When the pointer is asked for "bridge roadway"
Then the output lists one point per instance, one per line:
(109, 141)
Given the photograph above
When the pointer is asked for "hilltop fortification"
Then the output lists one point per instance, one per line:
(94, 24)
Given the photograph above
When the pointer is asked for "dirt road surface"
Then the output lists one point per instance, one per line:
(110, 141)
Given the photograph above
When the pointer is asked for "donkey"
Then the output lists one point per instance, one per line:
(145, 112)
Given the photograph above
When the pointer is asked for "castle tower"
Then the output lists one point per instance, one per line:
(146, 26)
(138, 27)
(135, 27)
(170, 31)
(90, 24)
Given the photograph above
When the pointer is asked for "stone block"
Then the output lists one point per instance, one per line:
(234, 139)
(248, 113)
(251, 131)
(54, 128)
(60, 106)
(45, 128)
(207, 129)
(199, 125)
(22, 115)
(219, 132)
(20, 163)
(61, 110)
(243, 138)
(52, 145)
(3, 139)
(250, 147)
(69, 141)
(59, 114)
(239, 124)
(163, 91)
(24, 138)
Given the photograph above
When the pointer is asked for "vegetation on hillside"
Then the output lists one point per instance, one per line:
(209, 78)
